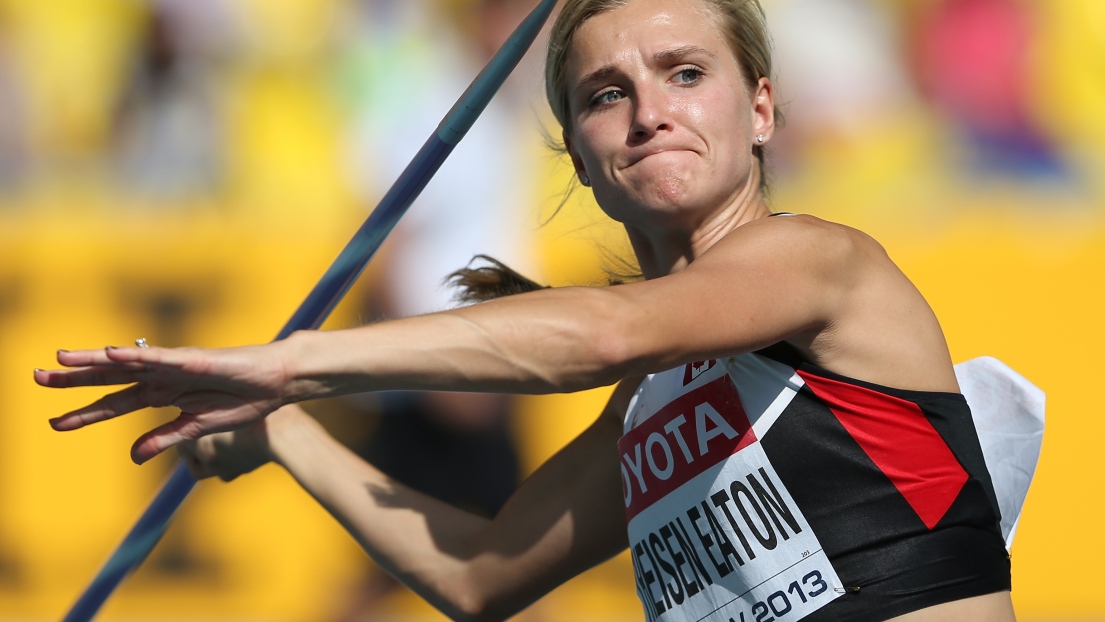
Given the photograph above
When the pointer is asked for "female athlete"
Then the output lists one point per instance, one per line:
(787, 438)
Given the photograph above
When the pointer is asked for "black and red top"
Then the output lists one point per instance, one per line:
(762, 487)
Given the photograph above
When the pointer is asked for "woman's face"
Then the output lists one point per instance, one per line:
(662, 121)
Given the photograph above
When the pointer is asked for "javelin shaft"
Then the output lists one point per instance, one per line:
(333, 285)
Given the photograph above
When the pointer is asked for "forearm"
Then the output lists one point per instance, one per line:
(544, 342)
(422, 542)
(565, 518)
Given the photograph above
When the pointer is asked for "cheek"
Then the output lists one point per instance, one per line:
(727, 125)
(593, 143)
(716, 114)
(697, 112)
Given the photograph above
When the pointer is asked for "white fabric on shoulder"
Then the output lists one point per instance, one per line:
(1008, 413)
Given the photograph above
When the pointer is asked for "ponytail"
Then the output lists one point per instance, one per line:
(488, 282)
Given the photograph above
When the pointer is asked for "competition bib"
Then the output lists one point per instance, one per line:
(713, 533)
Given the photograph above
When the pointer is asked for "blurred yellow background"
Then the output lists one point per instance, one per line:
(998, 217)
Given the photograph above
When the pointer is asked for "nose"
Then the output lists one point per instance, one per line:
(651, 114)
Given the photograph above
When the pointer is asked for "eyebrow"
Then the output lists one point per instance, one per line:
(662, 57)
(681, 52)
(599, 75)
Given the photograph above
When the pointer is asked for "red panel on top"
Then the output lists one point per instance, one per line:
(674, 445)
(900, 440)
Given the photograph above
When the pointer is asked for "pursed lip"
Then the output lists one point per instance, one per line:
(637, 157)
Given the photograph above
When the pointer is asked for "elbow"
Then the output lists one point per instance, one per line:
(614, 355)
(603, 357)
(490, 593)
(618, 338)
(595, 340)
(469, 609)
(476, 607)
(613, 349)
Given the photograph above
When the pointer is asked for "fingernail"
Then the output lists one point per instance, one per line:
(37, 370)
(109, 347)
(63, 351)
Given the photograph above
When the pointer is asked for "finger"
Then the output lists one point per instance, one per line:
(186, 427)
(190, 427)
(86, 358)
(175, 358)
(136, 357)
(107, 407)
(90, 376)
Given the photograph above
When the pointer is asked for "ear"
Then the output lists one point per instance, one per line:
(577, 162)
(763, 109)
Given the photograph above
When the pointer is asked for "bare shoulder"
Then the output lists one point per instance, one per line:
(875, 324)
(835, 240)
(809, 235)
(802, 247)
(829, 290)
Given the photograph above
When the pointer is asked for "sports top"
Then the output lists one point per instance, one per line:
(762, 487)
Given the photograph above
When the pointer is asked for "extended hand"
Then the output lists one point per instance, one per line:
(215, 390)
(229, 454)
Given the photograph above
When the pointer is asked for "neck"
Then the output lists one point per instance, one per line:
(663, 250)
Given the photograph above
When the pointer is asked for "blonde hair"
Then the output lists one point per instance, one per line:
(742, 22)
(743, 25)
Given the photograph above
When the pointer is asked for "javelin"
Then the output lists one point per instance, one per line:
(333, 285)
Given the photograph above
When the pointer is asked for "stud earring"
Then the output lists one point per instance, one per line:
(760, 138)
(585, 180)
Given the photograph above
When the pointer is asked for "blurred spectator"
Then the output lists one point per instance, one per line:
(403, 65)
(402, 69)
(168, 128)
(840, 68)
(13, 122)
(972, 61)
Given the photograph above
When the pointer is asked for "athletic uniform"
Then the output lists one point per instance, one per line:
(763, 488)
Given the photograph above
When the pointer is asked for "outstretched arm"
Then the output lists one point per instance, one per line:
(565, 518)
(728, 301)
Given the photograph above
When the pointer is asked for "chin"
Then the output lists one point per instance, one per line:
(670, 196)
(673, 194)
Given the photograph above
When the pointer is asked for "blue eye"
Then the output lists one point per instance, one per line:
(607, 97)
(688, 76)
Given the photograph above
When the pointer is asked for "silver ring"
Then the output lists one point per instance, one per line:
(141, 343)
